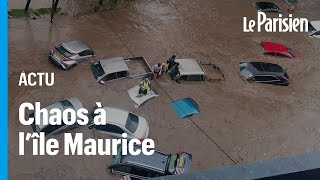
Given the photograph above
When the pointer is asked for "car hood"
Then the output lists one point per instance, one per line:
(75, 103)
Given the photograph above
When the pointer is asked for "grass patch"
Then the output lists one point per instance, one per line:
(18, 13)
(45, 11)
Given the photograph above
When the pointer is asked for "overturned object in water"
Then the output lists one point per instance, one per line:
(185, 107)
(279, 49)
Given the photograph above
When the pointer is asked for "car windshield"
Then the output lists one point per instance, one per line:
(132, 122)
(97, 70)
(311, 28)
(244, 71)
(67, 104)
(268, 67)
(35, 128)
(63, 51)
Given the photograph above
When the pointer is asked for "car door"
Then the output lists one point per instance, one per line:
(110, 77)
(139, 172)
(122, 169)
(267, 79)
(85, 54)
(121, 74)
(195, 78)
(183, 77)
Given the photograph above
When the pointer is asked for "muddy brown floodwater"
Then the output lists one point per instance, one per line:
(247, 122)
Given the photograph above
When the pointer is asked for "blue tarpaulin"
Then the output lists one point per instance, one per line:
(185, 107)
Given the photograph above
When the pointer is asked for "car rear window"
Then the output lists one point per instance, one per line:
(97, 70)
(63, 51)
(132, 122)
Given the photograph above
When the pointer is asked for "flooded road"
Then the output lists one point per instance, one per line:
(239, 122)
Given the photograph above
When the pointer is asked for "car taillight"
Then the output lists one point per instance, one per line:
(67, 59)
(141, 139)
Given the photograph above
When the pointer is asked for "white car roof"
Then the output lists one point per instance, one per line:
(112, 65)
(75, 46)
(116, 116)
(316, 24)
(190, 67)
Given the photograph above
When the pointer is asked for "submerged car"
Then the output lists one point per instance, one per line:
(314, 29)
(263, 72)
(267, 7)
(119, 68)
(138, 99)
(72, 103)
(146, 167)
(185, 107)
(70, 53)
(278, 49)
(194, 70)
(120, 121)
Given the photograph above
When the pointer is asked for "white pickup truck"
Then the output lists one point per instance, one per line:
(194, 70)
(119, 68)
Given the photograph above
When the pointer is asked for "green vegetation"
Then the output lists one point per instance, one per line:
(18, 13)
(45, 11)
(21, 13)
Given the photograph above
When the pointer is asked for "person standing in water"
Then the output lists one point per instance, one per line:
(171, 61)
(156, 70)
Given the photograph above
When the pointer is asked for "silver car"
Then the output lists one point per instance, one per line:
(70, 53)
(73, 103)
